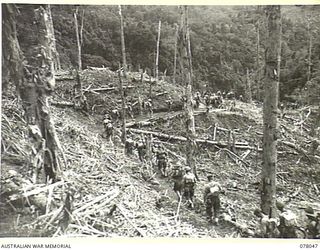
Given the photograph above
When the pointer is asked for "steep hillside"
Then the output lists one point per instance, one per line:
(112, 194)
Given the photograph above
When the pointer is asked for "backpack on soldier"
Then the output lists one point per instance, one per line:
(189, 179)
(214, 191)
(176, 172)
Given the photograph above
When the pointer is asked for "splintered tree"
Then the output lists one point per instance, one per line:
(248, 87)
(12, 58)
(123, 47)
(185, 68)
(309, 48)
(271, 85)
(56, 57)
(314, 132)
(34, 80)
(175, 54)
(79, 35)
(258, 60)
(123, 110)
(158, 47)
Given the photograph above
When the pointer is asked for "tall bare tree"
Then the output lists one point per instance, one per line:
(157, 56)
(189, 49)
(314, 132)
(270, 107)
(56, 56)
(175, 54)
(123, 109)
(248, 87)
(309, 48)
(34, 80)
(123, 46)
(12, 57)
(279, 53)
(79, 37)
(186, 70)
(258, 60)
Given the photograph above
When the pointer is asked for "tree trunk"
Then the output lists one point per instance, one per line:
(309, 51)
(175, 55)
(12, 64)
(140, 103)
(314, 133)
(150, 87)
(35, 81)
(258, 61)
(123, 47)
(268, 191)
(186, 69)
(248, 88)
(279, 53)
(78, 39)
(149, 148)
(56, 56)
(123, 106)
(81, 28)
(157, 57)
(189, 51)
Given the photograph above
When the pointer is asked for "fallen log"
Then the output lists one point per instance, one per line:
(151, 121)
(237, 145)
(95, 201)
(158, 134)
(61, 103)
(66, 77)
(107, 89)
(34, 191)
(160, 94)
(184, 139)
(139, 124)
(98, 68)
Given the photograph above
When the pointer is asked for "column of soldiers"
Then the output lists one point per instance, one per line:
(184, 184)
(184, 180)
(216, 100)
(111, 119)
(212, 100)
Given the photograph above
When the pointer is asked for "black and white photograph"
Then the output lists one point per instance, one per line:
(160, 121)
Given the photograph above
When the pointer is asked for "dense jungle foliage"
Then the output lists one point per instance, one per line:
(224, 42)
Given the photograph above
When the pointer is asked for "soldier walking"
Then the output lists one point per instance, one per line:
(162, 159)
(142, 150)
(189, 181)
(211, 198)
(108, 127)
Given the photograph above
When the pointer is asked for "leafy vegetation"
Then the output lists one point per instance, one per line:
(223, 38)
